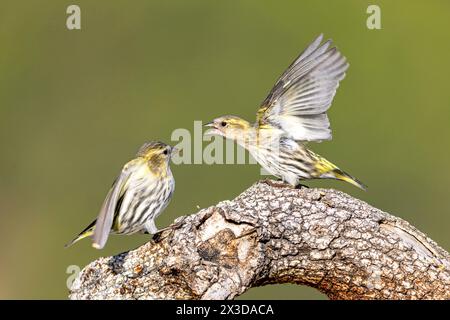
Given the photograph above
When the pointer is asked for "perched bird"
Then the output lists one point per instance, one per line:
(138, 195)
(293, 114)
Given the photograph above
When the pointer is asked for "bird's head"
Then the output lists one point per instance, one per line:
(156, 154)
(230, 127)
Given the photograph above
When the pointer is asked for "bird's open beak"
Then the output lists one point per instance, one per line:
(213, 130)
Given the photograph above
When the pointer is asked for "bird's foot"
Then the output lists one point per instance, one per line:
(277, 183)
(300, 186)
(158, 235)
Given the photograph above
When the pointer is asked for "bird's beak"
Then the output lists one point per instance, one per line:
(213, 130)
(175, 151)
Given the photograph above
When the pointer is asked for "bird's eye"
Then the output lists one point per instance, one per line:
(223, 124)
(165, 152)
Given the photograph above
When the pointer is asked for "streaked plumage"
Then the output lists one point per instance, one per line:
(293, 114)
(138, 195)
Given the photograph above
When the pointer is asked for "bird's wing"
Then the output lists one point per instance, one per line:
(106, 215)
(298, 102)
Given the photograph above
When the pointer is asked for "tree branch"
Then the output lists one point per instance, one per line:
(275, 234)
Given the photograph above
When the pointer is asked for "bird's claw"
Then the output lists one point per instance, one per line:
(157, 237)
(277, 183)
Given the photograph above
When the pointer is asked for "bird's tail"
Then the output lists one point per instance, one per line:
(83, 234)
(328, 170)
(341, 175)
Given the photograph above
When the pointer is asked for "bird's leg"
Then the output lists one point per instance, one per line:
(299, 186)
(150, 228)
(157, 236)
(277, 183)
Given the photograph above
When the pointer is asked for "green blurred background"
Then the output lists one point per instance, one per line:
(76, 105)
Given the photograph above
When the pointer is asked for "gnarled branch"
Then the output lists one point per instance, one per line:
(270, 234)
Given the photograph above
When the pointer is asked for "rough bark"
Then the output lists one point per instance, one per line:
(270, 234)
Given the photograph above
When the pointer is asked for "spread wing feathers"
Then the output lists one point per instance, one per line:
(106, 215)
(298, 101)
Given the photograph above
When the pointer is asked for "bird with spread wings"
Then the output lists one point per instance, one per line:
(294, 113)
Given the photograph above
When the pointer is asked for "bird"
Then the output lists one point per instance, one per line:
(137, 197)
(292, 115)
